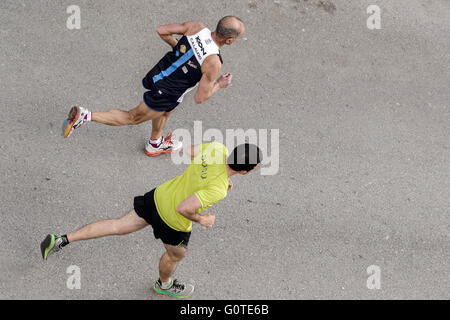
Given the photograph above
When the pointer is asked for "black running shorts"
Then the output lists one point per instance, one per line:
(157, 100)
(145, 208)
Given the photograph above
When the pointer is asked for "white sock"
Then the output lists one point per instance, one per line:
(156, 142)
(165, 285)
(88, 117)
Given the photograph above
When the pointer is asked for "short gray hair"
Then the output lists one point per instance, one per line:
(225, 29)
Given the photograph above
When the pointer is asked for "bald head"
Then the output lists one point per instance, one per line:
(229, 27)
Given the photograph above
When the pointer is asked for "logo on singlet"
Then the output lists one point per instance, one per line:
(191, 64)
(208, 41)
(200, 44)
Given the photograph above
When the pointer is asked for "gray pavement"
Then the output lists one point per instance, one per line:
(364, 177)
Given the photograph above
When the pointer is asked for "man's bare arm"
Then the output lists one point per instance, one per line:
(209, 84)
(188, 209)
(167, 31)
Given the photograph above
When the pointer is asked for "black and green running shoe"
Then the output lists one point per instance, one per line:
(176, 289)
(52, 243)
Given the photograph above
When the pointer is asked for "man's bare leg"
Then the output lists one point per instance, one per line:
(116, 117)
(129, 223)
(158, 125)
(167, 266)
(169, 261)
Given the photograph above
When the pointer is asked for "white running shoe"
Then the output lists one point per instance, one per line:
(74, 120)
(168, 145)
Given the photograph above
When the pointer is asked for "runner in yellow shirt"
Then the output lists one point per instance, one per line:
(172, 207)
(206, 178)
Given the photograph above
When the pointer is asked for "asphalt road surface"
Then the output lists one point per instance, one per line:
(358, 207)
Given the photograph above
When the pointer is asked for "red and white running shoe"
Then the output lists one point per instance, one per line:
(168, 145)
(75, 119)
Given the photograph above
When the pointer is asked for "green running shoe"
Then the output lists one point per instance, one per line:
(52, 243)
(176, 289)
